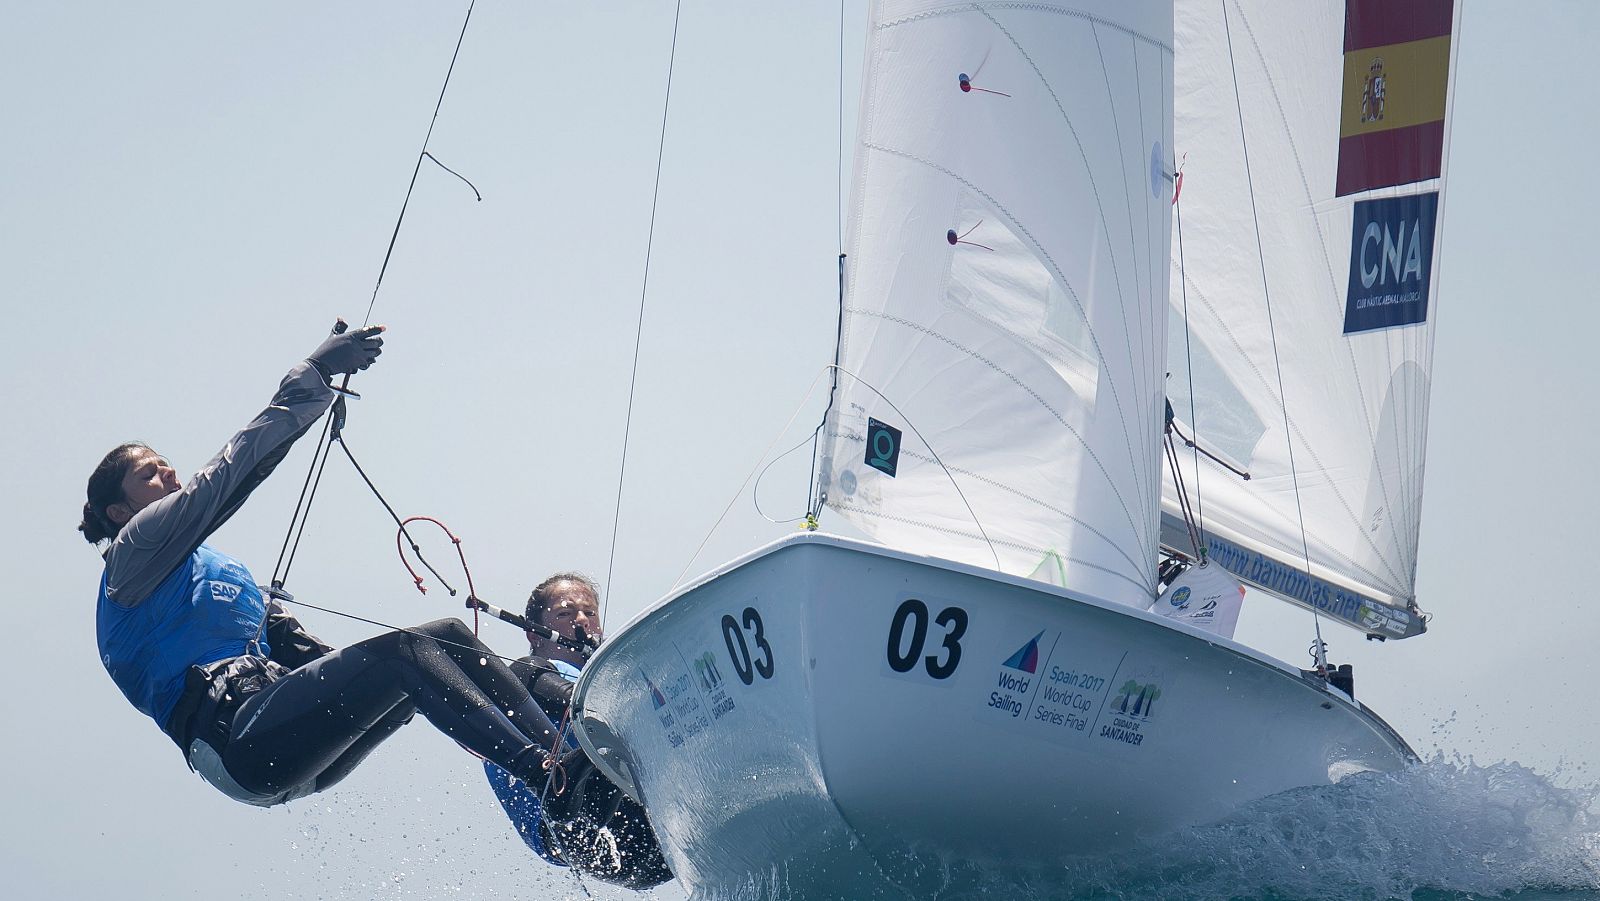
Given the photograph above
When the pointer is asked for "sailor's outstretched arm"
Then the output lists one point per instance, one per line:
(162, 535)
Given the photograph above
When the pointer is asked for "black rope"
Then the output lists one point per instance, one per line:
(335, 420)
(299, 504)
(814, 499)
(305, 515)
(1191, 442)
(395, 235)
(1188, 360)
(344, 446)
(475, 192)
(1183, 498)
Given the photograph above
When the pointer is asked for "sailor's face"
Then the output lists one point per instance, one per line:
(149, 478)
(574, 606)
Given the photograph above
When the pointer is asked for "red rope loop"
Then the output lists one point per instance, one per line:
(399, 546)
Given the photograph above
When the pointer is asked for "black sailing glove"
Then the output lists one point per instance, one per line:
(348, 352)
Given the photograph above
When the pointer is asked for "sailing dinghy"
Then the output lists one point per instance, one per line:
(994, 678)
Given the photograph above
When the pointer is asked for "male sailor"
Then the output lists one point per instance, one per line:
(580, 818)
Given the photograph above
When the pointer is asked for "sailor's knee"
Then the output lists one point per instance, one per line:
(449, 628)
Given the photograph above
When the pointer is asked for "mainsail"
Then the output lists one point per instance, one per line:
(1304, 291)
(1004, 330)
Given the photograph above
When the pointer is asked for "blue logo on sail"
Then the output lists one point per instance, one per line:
(1180, 598)
(1391, 262)
(883, 447)
(1026, 659)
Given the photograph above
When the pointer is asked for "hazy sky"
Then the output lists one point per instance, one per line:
(192, 192)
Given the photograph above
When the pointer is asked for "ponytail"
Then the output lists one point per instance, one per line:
(105, 489)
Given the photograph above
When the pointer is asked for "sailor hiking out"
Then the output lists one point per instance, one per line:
(260, 708)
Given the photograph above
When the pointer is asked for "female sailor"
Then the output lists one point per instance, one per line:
(261, 709)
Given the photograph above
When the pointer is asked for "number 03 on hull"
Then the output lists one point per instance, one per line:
(829, 707)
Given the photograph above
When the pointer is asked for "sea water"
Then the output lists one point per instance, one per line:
(1447, 829)
(1443, 830)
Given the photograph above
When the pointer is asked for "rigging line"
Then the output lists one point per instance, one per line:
(402, 524)
(1188, 359)
(638, 334)
(1266, 293)
(1335, 295)
(813, 491)
(409, 631)
(299, 504)
(838, 178)
(303, 505)
(1182, 492)
(735, 498)
(395, 235)
(755, 493)
(1425, 341)
(929, 445)
(813, 501)
(319, 462)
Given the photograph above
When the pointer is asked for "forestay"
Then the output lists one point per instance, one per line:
(1325, 200)
(1006, 289)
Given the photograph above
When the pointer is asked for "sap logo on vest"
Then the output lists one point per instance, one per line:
(224, 592)
(1391, 262)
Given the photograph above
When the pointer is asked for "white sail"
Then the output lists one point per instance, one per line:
(1006, 289)
(1315, 186)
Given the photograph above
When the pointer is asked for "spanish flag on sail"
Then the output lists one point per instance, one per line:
(1396, 75)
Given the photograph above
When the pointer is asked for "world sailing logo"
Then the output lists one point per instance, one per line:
(1011, 691)
(1026, 658)
(657, 699)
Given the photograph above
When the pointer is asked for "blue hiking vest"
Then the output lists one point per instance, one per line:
(207, 610)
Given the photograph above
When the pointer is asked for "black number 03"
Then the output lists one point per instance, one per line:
(904, 654)
(739, 650)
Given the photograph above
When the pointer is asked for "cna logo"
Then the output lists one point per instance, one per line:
(224, 592)
(1374, 91)
(1136, 699)
(1026, 659)
(1391, 261)
(1180, 598)
(657, 699)
(705, 666)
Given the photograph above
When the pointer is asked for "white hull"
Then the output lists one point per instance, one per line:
(763, 718)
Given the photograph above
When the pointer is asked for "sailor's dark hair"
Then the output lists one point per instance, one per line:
(544, 595)
(105, 489)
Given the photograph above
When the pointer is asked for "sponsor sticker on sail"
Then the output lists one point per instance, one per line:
(1396, 79)
(1208, 597)
(1391, 262)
